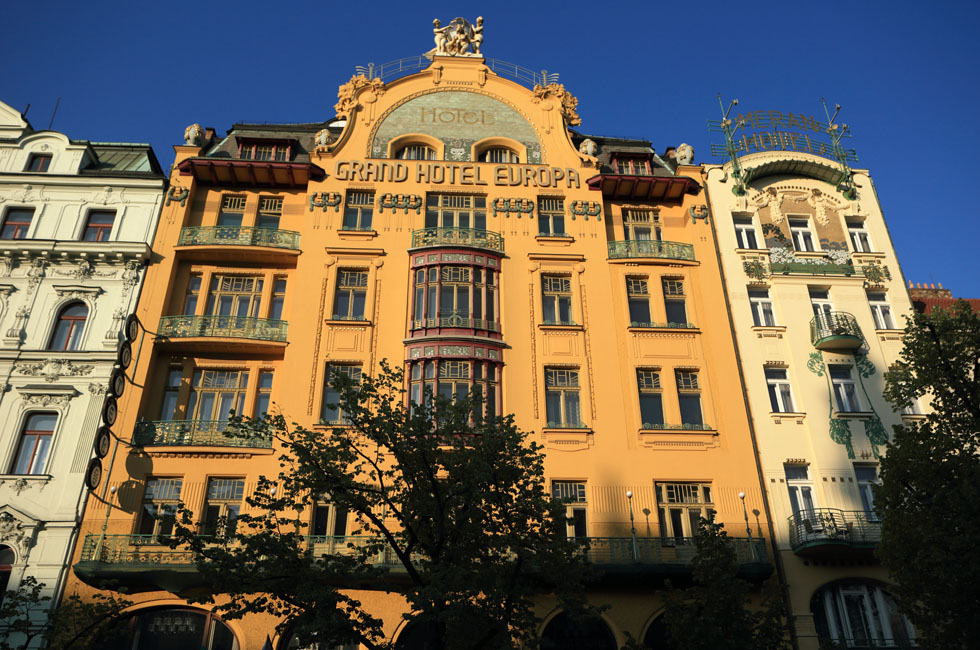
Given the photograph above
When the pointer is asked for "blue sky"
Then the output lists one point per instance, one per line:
(906, 74)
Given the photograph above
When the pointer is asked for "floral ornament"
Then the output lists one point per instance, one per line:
(756, 269)
(324, 200)
(876, 433)
(816, 364)
(568, 102)
(841, 434)
(346, 94)
(586, 209)
(404, 202)
(520, 206)
(876, 273)
(864, 366)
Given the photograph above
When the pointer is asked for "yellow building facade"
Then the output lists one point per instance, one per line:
(818, 306)
(452, 222)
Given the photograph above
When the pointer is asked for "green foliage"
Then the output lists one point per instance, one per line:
(26, 617)
(453, 502)
(713, 614)
(929, 499)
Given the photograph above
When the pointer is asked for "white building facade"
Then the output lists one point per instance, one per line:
(76, 219)
(818, 305)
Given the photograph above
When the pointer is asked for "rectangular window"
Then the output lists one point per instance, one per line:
(35, 441)
(331, 410)
(231, 213)
(456, 211)
(264, 396)
(881, 311)
(801, 493)
(762, 315)
(160, 501)
(193, 293)
(278, 298)
(674, 303)
(867, 476)
(638, 297)
(270, 211)
(780, 393)
(99, 225)
(171, 392)
(845, 390)
(215, 394)
(821, 304)
(222, 506)
(556, 300)
(689, 398)
(38, 162)
(745, 233)
(562, 398)
(454, 380)
(651, 399)
(641, 225)
(329, 521)
(350, 296)
(551, 217)
(633, 167)
(573, 494)
(802, 236)
(860, 241)
(359, 211)
(680, 507)
(455, 287)
(16, 223)
(235, 295)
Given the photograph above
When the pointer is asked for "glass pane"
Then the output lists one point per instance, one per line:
(341, 306)
(565, 309)
(358, 310)
(690, 409)
(677, 523)
(651, 409)
(676, 311)
(553, 404)
(572, 416)
(166, 629)
(639, 310)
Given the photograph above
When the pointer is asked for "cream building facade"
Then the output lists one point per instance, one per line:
(818, 305)
(76, 219)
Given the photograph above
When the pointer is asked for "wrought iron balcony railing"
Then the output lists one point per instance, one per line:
(821, 526)
(835, 330)
(651, 248)
(666, 550)
(238, 236)
(239, 327)
(686, 326)
(677, 427)
(476, 237)
(812, 269)
(457, 319)
(191, 433)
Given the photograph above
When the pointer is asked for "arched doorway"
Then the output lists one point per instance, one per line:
(170, 627)
(566, 634)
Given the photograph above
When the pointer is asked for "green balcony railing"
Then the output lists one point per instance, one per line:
(650, 325)
(659, 426)
(238, 236)
(456, 319)
(651, 248)
(191, 433)
(822, 526)
(240, 327)
(666, 550)
(835, 330)
(475, 237)
(785, 268)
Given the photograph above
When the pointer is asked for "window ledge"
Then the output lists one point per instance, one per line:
(751, 251)
(787, 416)
(869, 254)
(854, 415)
(555, 240)
(889, 330)
(345, 321)
(572, 327)
(561, 429)
(914, 417)
(357, 234)
(687, 329)
(678, 428)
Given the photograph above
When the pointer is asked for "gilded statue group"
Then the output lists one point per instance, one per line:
(458, 38)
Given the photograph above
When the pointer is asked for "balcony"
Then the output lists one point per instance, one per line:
(235, 327)
(238, 236)
(787, 268)
(191, 433)
(144, 562)
(468, 237)
(828, 532)
(668, 250)
(835, 331)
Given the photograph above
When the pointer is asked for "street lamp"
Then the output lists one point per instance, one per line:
(629, 500)
(748, 529)
(105, 523)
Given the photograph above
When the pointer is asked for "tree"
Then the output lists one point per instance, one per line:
(929, 497)
(713, 613)
(450, 509)
(76, 624)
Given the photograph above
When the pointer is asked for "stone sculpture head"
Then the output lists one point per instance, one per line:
(194, 135)
(588, 147)
(684, 155)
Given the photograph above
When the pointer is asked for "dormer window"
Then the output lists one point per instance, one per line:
(278, 150)
(416, 152)
(38, 163)
(633, 166)
(499, 155)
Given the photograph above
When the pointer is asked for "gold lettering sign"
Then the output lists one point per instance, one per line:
(778, 131)
(455, 116)
(440, 173)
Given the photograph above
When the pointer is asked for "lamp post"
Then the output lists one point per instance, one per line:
(629, 500)
(748, 529)
(105, 523)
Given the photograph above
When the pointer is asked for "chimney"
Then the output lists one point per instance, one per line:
(923, 290)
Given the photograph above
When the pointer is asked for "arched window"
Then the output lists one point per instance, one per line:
(68, 331)
(171, 627)
(35, 441)
(499, 155)
(859, 613)
(564, 633)
(7, 558)
(416, 152)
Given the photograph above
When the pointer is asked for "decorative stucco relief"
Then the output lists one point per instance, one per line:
(53, 369)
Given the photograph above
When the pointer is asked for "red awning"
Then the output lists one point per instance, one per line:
(643, 188)
(251, 173)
